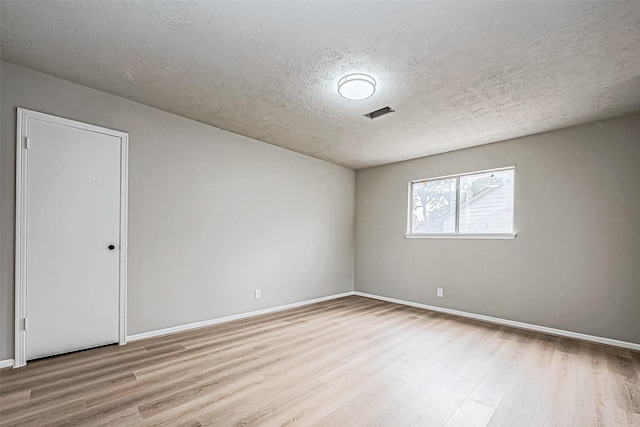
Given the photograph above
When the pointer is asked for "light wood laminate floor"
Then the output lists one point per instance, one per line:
(347, 362)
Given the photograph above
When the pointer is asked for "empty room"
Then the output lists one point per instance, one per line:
(319, 213)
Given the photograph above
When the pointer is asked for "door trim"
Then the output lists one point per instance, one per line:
(22, 167)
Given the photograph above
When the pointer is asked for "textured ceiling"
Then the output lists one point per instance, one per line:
(458, 74)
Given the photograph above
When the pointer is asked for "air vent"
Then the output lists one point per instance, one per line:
(381, 112)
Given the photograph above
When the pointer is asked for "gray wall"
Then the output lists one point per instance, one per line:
(575, 264)
(212, 215)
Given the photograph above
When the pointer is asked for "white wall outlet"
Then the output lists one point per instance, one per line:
(258, 294)
(439, 292)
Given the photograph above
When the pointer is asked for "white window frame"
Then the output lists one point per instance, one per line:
(499, 236)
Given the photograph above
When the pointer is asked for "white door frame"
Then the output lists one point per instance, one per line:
(22, 166)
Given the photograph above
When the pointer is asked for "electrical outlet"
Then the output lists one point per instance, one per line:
(258, 294)
(439, 292)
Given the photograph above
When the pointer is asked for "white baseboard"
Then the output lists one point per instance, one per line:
(8, 363)
(226, 319)
(490, 319)
(512, 323)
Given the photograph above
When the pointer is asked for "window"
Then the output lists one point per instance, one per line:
(472, 205)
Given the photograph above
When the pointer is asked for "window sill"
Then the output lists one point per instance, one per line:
(492, 236)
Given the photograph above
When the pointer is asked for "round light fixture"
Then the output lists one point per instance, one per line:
(356, 86)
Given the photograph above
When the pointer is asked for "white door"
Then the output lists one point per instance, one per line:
(72, 243)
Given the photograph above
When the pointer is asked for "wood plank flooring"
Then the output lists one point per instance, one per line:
(348, 362)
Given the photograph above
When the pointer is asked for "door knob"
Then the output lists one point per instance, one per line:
(111, 247)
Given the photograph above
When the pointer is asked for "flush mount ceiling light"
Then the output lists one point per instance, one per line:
(356, 86)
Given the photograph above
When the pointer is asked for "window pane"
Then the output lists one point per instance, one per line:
(486, 202)
(434, 206)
